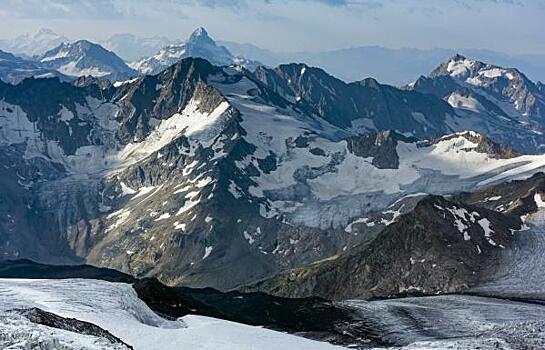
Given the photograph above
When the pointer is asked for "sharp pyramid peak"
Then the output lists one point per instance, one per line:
(198, 34)
(458, 57)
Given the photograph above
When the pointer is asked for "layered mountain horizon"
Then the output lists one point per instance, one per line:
(197, 168)
(349, 64)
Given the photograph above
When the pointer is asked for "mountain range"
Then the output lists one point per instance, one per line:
(200, 45)
(143, 171)
(392, 66)
(84, 58)
(29, 45)
(199, 168)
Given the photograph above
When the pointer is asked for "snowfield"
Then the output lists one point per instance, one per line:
(333, 189)
(115, 307)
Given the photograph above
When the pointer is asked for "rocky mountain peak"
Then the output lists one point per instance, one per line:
(370, 83)
(75, 48)
(14, 69)
(458, 57)
(199, 44)
(198, 35)
(200, 41)
(483, 91)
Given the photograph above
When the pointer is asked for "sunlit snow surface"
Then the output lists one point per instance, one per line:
(116, 308)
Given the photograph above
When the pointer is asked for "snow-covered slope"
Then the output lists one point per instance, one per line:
(116, 308)
(83, 58)
(199, 44)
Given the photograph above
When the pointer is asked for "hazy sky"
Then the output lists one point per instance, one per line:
(512, 26)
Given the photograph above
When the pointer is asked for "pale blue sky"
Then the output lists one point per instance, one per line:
(512, 26)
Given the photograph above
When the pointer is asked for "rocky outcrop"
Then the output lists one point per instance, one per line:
(39, 316)
(160, 96)
(439, 247)
(381, 147)
(518, 197)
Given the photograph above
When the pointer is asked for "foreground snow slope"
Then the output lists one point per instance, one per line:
(116, 308)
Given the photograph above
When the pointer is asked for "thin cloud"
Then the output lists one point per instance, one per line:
(53, 9)
(112, 9)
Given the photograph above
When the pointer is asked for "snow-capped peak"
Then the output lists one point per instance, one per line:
(484, 88)
(475, 72)
(199, 44)
(83, 58)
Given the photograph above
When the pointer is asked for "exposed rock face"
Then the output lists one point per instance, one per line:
(364, 106)
(440, 246)
(381, 147)
(541, 87)
(518, 197)
(39, 316)
(160, 96)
